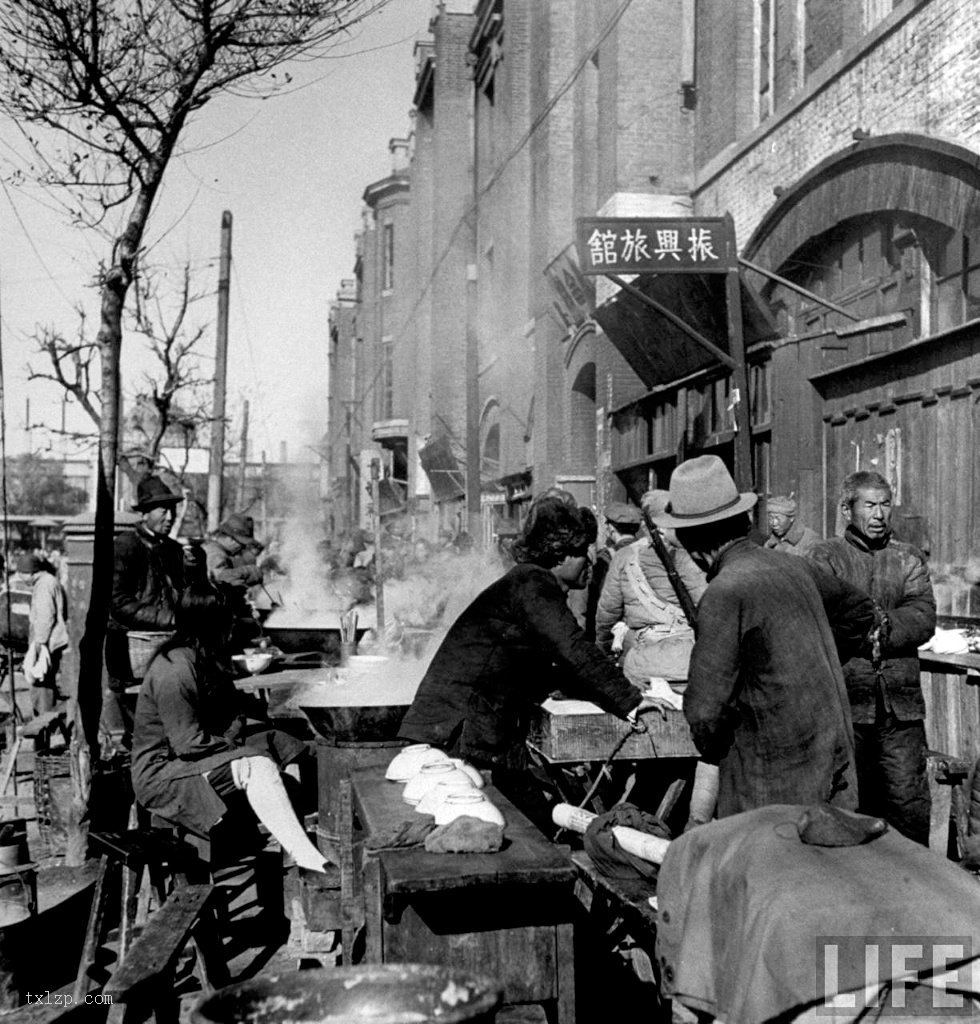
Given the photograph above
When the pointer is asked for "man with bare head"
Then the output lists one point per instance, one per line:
(884, 690)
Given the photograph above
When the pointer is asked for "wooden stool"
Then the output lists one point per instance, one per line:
(125, 855)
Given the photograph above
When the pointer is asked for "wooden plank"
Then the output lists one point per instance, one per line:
(527, 858)
(155, 952)
(561, 737)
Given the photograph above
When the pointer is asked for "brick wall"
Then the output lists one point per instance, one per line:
(920, 75)
(452, 195)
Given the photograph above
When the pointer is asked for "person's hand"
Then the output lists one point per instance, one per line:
(650, 703)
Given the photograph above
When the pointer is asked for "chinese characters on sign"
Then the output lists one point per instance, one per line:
(632, 245)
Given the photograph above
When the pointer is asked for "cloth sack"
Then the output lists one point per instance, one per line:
(609, 858)
(37, 663)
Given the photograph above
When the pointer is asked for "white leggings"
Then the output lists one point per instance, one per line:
(259, 779)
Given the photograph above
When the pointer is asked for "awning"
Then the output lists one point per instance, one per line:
(659, 351)
(443, 469)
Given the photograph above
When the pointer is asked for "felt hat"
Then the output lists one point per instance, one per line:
(152, 492)
(27, 564)
(239, 527)
(702, 491)
(620, 512)
(781, 503)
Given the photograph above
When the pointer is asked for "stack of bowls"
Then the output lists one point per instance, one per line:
(441, 786)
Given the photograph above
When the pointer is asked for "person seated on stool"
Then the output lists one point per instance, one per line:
(194, 763)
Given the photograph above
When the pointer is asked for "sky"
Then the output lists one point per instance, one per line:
(291, 170)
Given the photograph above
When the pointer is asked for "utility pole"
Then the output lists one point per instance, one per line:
(217, 460)
(242, 459)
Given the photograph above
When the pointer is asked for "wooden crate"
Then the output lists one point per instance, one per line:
(573, 736)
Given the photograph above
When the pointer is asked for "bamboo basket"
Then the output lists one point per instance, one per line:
(52, 799)
(142, 646)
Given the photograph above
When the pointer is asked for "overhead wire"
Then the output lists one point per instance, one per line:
(524, 140)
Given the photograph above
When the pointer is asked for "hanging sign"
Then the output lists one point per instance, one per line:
(658, 245)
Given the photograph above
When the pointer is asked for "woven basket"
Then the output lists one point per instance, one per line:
(142, 647)
(52, 799)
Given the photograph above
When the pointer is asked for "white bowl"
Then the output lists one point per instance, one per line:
(254, 663)
(434, 796)
(470, 805)
(431, 775)
(409, 760)
(473, 773)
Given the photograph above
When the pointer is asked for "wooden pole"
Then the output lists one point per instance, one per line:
(379, 587)
(243, 458)
(740, 382)
(217, 458)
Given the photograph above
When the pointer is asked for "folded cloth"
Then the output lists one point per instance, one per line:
(823, 825)
(609, 858)
(405, 833)
(465, 835)
(744, 906)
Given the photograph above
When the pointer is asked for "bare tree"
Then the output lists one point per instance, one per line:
(171, 401)
(103, 91)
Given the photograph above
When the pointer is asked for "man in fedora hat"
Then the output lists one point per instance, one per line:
(147, 578)
(765, 697)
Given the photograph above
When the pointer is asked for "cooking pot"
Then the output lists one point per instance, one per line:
(372, 994)
(300, 639)
(365, 723)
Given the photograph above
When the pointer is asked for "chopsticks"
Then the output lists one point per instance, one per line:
(348, 626)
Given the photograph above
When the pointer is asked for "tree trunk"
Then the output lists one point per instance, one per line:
(88, 708)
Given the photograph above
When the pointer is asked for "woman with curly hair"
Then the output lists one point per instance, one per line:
(515, 644)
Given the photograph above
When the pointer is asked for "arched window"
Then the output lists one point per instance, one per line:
(582, 433)
(490, 441)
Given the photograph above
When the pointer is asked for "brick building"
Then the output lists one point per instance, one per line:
(841, 136)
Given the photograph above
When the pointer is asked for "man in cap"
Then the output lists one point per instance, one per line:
(638, 592)
(623, 524)
(48, 630)
(231, 554)
(785, 533)
(147, 578)
(884, 687)
(765, 697)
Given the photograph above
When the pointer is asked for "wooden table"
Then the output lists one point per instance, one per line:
(277, 687)
(507, 914)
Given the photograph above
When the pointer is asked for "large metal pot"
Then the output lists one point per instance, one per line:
(374, 994)
(301, 639)
(368, 723)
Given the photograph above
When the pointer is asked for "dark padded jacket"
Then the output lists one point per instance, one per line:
(896, 577)
(147, 578)
(515, 644)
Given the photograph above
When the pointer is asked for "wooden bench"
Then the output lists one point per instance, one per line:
(621, 925)
(947, 776)
(143, 984)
